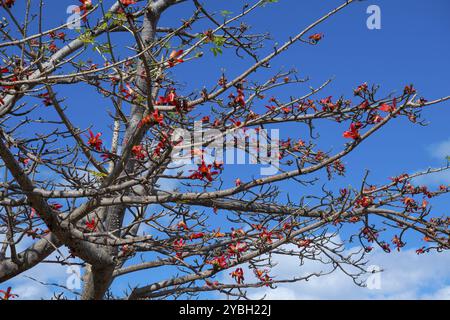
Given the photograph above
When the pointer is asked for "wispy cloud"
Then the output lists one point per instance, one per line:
(406, 276)
(440, 150)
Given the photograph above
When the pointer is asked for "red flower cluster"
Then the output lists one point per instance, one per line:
(174, 58)
(94, 141)
(7, 3)
(154, 117)
(353, 132)
(409, 90)
(59, 35)
(198, 235)
(303, 243)
(239, 99)
(263, 276)
(46, 99)
(178, 246)
(398, 242)
(410, 204)
(361, 89)
(237, 249)
(138, 152)
(7, 294)
(316, 37)
(388, 108)
(86, 5)
(129, 93)
(218, 262)
(204, 172)
(364, 202)
(238, 275)
(328, 105)
(126, 3)
(91, 225)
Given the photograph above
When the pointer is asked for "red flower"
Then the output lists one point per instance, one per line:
(238, 275)
(328, 104)
(410, 204)
(238, 248)
(52, 47)
(182, 225)
(138, 152)
(126, 3)
(204, 172)
(266, 236)
(106, 156)
(240, 99)
(400, 178)
(129, 92)
(91, 225)
(353, 132)
(46, 99)
(316, 37)
(197, 235)
(237, 182)
(23, 160)
(173, 57)
(398, 242)
(361, 89)
(365, 202)
(218, 165)
(86, 5)
(237, 233)
(7, 3)
(61, 36)
(56, 206)
(212, 284)
(178, 244)
(388, 108)
(218, 262)
(386, 247)
(304, 243)
(95, 141)
(420, 250)
(154, 117)
(7, 294)
(263, 276)
(409, 90)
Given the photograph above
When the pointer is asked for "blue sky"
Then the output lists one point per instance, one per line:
(411, 47)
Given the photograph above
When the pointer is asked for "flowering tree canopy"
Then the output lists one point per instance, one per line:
(97, 195)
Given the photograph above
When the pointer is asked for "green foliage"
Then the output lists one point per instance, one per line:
(218, 42)
(268, 1)
(226, 13)
(87, 38)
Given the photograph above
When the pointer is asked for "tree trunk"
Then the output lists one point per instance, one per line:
(98, 278)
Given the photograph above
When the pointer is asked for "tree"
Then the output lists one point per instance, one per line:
(100, 193)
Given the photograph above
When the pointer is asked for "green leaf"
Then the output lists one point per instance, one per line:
(98, 174)
(268, 1)
(87, 38)
(226, 13)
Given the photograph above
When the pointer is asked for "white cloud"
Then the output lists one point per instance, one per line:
(406, 276)
(440, 150)
(433, 179)
(49, 273)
